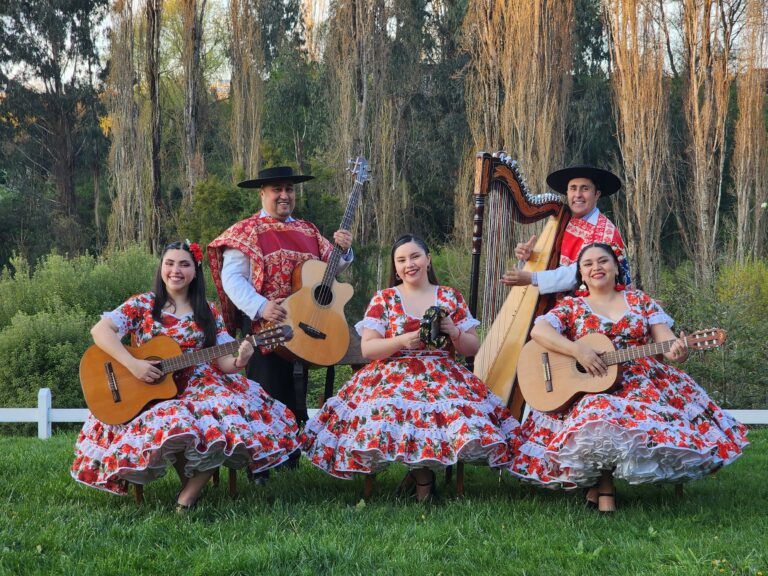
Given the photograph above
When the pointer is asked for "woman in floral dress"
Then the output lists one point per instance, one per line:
(658, 425)
(412, 404)
(218, 418)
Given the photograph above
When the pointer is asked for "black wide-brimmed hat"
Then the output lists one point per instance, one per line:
(274, 174)
(607, 182)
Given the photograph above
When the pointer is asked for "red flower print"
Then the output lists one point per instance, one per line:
(376, 311)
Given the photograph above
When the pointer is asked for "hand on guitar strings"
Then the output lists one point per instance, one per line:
(145, 370)
(678, 352)
(273, 312)
(343, 239)
(244, 353)
(590, 360)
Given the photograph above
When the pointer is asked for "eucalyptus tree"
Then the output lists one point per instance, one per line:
(49, 68)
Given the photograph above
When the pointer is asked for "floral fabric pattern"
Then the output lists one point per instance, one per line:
(420, 407)
(657, 425)
(217, 418)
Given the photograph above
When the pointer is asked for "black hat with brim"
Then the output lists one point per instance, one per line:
(607, 182)
(275, 174)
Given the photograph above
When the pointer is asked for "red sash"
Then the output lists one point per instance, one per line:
(275, 250)
(580, 233)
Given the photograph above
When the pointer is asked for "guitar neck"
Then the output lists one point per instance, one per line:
(346, 224)
(626, 354)
(188, 359)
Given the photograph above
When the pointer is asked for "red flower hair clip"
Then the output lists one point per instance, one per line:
(197, 254)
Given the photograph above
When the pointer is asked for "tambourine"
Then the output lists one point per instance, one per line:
(430, 333)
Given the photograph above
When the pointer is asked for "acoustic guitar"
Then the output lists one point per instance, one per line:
(550, 381)
(316, 306)
(115, 396)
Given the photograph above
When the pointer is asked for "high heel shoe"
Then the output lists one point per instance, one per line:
(606, 502)
(431, 493)
(407, 486)
(588, 502)
(184, 508)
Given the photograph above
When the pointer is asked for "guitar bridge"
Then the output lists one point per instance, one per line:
(312, 332)
(112, 381)
(547, 371)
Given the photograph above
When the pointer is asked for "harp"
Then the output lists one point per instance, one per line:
(507, 212)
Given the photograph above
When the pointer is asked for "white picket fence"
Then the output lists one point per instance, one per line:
(45, 415)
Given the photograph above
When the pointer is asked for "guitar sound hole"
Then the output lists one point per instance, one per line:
(323, 295)
(581, 368)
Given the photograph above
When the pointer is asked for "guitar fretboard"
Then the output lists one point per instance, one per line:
(627, 354)
(346, 223)
(199, 356)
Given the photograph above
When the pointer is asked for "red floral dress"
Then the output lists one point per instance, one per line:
(420, 407)
(218, 419)
(658, 425)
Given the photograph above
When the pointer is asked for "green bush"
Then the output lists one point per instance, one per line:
(43, 350)
(735, 374)
(84, 282)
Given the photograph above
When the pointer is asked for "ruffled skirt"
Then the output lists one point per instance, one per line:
(218, 420)
(661, 430)
(424, 411)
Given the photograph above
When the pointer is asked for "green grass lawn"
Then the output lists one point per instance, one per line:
(305, 522)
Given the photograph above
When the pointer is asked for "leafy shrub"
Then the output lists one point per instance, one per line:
(43, 350)
(84, 282)
(735, 374)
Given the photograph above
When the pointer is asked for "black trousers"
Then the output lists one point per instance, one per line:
(282, 379)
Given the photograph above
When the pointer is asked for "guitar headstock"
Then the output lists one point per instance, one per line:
(359, 167)
(272, 337)
(706, 339)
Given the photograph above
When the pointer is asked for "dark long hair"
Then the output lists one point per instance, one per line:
(404, 239)
(605, 248)
(201, 312)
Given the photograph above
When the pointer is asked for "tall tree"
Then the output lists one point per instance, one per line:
(641, 109)
(193, 14)
(518, 81)
(153, 21)
(247, 87)
(127, 221)
(749, 165)
(46, 52)
(708, 29)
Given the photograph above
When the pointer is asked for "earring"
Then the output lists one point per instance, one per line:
(582, 292)
(619, 287)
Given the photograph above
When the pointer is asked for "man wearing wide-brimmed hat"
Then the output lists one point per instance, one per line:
(252, 264)
(583, 185)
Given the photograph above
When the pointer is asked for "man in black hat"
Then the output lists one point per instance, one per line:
(253, 263)
(583, 186)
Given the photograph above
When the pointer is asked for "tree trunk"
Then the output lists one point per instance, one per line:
(194, 163)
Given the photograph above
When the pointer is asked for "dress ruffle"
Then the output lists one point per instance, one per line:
(211, 428)
(662, 446)
(217, 419)
(659, 425)
(374, 421)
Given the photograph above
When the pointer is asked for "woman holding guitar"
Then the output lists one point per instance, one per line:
(657, 425)
(218, 418)
(415, 403)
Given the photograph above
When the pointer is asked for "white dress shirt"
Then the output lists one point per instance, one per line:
(236, 279)
(562, 278)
